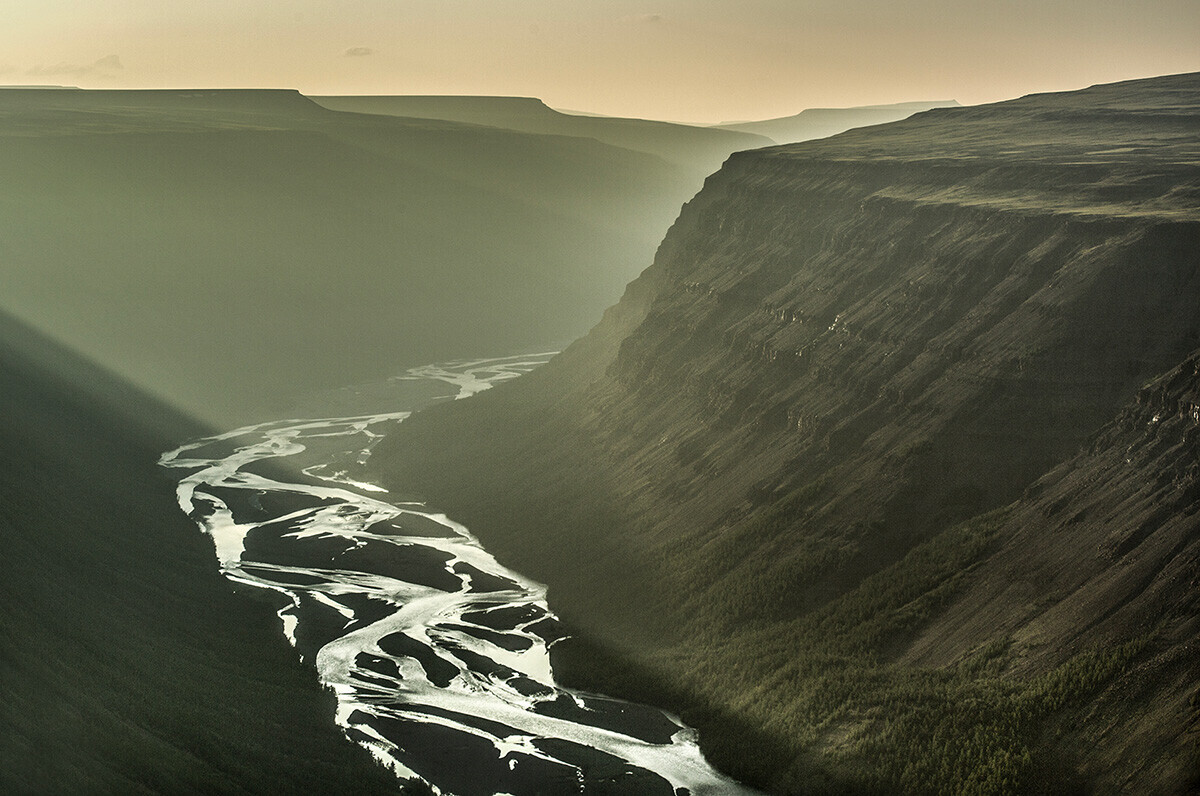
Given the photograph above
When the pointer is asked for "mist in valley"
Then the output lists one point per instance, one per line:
(522, 399)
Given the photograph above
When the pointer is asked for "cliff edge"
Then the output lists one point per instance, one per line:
(784, 480)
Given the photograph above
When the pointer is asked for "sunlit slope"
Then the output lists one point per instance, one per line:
(697, 149)
(822, 122)
(819, 420)
(128, 665)
(230, 249)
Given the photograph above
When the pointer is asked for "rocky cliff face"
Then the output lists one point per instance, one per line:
(843, 350)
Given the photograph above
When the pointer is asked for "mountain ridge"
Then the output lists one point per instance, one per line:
(682, 144)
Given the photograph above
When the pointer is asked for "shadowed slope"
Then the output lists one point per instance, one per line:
(127, 664)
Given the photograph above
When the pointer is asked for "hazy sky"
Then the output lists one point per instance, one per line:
(690, 60)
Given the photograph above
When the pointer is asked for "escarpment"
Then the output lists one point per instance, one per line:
(791, 431)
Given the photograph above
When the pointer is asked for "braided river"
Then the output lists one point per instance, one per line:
(439, 655)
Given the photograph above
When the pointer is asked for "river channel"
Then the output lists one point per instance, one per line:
(438, 655)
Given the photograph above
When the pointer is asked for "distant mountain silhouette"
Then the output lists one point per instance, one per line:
(824, 122)
(698, 149)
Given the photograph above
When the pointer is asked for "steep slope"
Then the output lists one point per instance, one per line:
(1101, 550)
(843, 350)
(823, 122)
(128, 665)
(700, 150)
(229, 249)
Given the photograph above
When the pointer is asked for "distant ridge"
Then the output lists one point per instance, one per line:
(452, 107)
(681, 144)
(66, 98)
(824, 122)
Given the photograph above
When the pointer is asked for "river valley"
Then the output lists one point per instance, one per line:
(438, 654)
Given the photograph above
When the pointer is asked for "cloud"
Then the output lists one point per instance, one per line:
(358, 52)
(109, 63)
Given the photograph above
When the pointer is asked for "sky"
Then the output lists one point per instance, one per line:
(683, 60)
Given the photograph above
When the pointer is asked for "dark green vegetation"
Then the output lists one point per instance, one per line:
(823, 122)
(230, 249)
(128, 665)
(884, 473)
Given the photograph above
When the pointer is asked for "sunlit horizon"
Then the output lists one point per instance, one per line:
(703, 61)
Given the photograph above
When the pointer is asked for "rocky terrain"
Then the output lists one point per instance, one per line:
(869, 474)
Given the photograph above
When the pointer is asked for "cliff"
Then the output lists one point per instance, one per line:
(781, 473)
